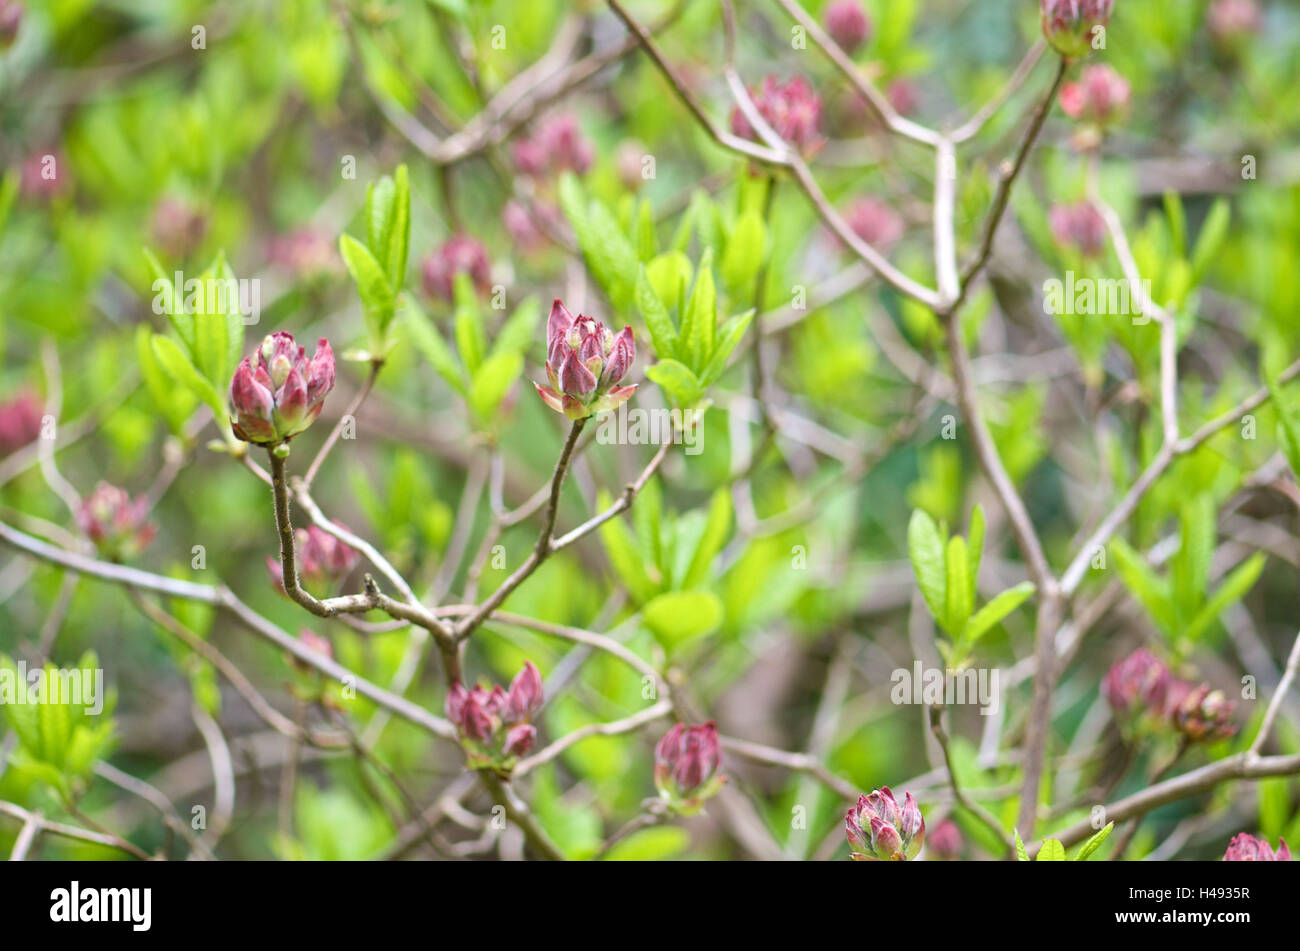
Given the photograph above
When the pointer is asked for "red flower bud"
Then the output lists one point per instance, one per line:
(525, 696)
(791, 108)
(584, 361)
(118, 525)
(493, 723)
(945, 841)
(11, 17)
(1200, 713)
(558, 146)
(879, 830)
(1079, 226)
(20, 422)
(1100, 97)
(875, 222)
(323, 560)
(686, 766)
(847, 24)
(1138, 682)
(278, 392)
(1071, 25)
(459, 254)
(1244, 847)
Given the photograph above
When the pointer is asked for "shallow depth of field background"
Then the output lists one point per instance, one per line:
(250, 135)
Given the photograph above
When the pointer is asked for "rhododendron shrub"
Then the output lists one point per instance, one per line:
(823, 429)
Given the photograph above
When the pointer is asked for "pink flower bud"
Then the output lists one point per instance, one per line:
(323, 560)
(902, 96)
(875, 222)
(1080, 227)
(584, 361)
(20, 422)
(459, 254)
(177, 227)
(879, 830)
(525, 695)
(686, 766)
(118, 525)
(304, 253)
(1136, 684)
(11, 17)
(277, 392)
(558, 146)
(1071, 25)
(1200, 713)
(1101, 96)
(315, 642)
(1244, 847)
(1233, 21)
(847, 24)
(792, 109)
(520, 738)
(44, 175)
(523, 230)
(945, 841)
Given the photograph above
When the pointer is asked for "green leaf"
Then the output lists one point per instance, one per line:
(628, 562)
(174, 402)
(1052, 851)
(177, 365)
(681, 385)
(1211, 238)
(745, 252)
(701, 320)
(677, 617)
(732, 333)
(957, 601)
(657, 321)
(716, 528)
(471, 336)
(1145, 585)
(519, 331)
(649, 845)
(430, 343)
(987, 617)
(377, 298)
(165, 292)
(492, 381)
(668, 274)
(1233, 589)
(1021, 854)
(974, 549)
(1177, 222)
(646, 243)
(1094, 843)
(925, 549)
(604, 246)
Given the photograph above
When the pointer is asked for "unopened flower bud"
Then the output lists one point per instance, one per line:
(584, 363)
(1136, 684)
(118, 525)
(20, 422)
(875, 222)
(1244, 847)
(1072, 25)
(459, 254)
(687, 761)
(277, 393)
(304, 252)
(1101, 96)
(322, 560)
(878, 829)
(944, 841)
(847, 24)
(1200, 713)
(11, 17)
(177, 227)
(792, 109)
(1232, 22)
(1079, 227)
(493, 723)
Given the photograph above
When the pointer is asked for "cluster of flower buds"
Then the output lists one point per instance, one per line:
(20, 422)
(277, 392)
(1099, 99)
(1232, 22)
(584, 362)
(945, 841)
(304, 252)
(687, 761)
(1071, 25)
(11, 17)
(494, 723)
(1200, 713)
(1141, 686)
(118, 525)
(323, 560)
(558, 146)
(1244, 847)
(459, 254)
(791, 108)
(847, 24)
(1079, 227)
(880, 830)
(177, 227)
(875, 222)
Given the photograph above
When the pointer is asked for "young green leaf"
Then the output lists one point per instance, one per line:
(663, 335)
(681, 385)
(1094, 843)
(925, 548)
(987, 617)
(1022, 855)
(430, 343)
(957, 590)
(716, 528)
(1052, 851)
(377, 300)
(729, 338)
